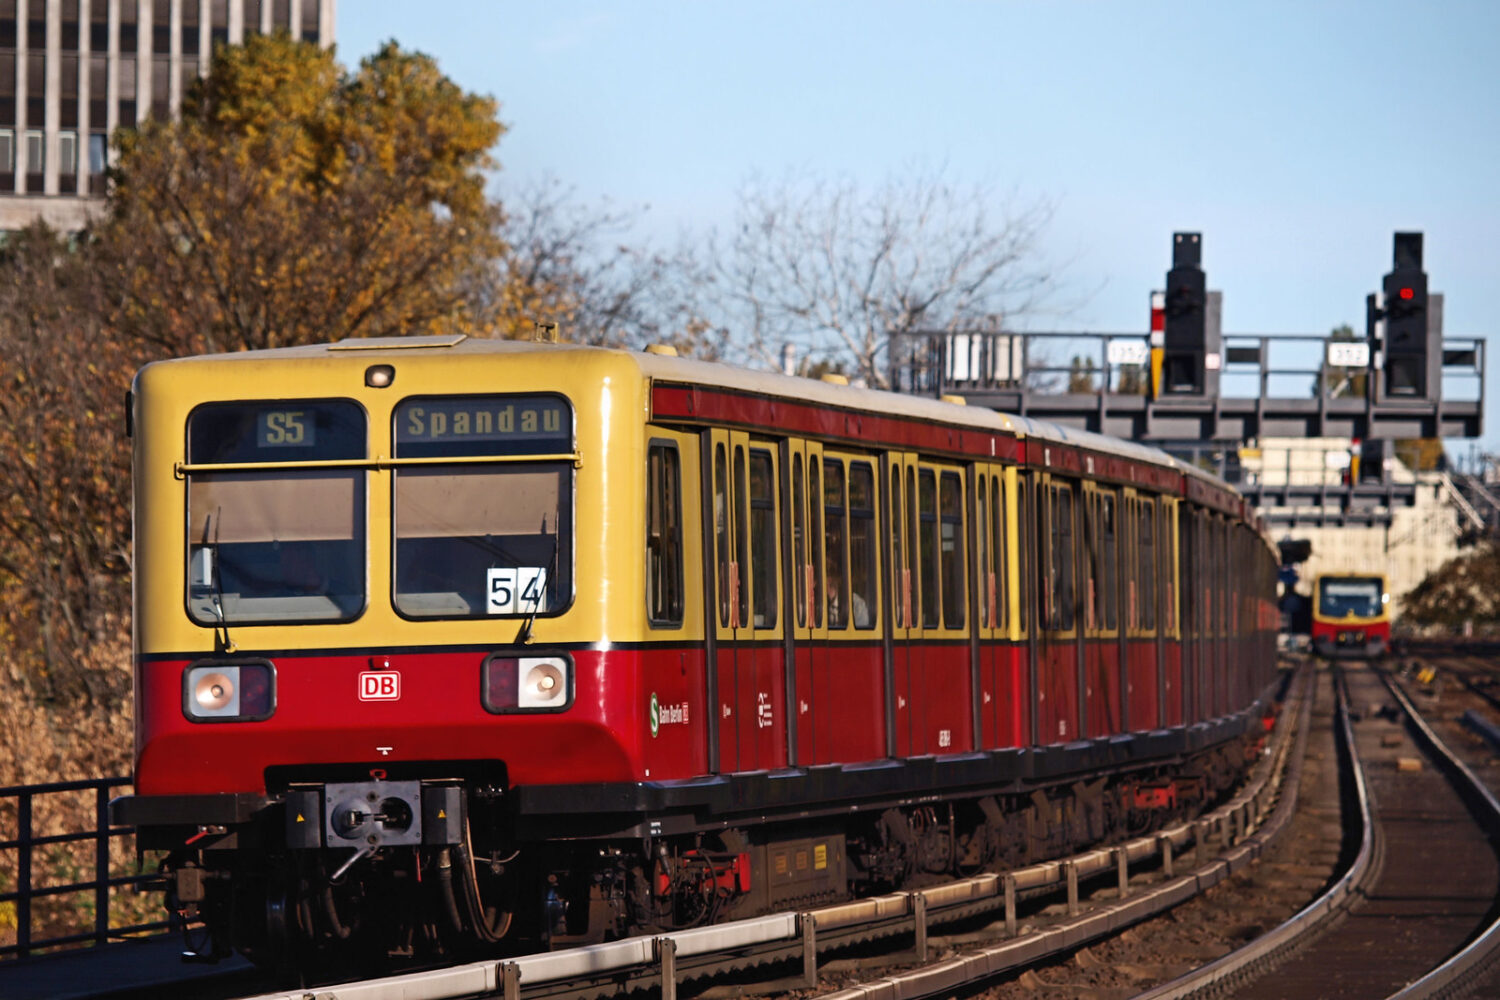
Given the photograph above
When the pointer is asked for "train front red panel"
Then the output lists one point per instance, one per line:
(321, 719)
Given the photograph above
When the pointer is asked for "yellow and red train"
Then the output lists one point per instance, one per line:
(1351, 615)
(443, 639)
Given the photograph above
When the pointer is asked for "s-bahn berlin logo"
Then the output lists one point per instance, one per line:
(667, 715)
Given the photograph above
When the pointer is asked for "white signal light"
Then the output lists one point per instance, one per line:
(544, 682)
(215, 692)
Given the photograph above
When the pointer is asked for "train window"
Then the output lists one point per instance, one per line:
(1109, 560)
(913, 550)
(982, 538)
(900, 575)
(799, 538)
(815, 540)
(476, 540)
(279, 544)
(763, 567)
(951, 493)
(1168, 566)
(1062, 577)
(863, 578)
(1025, 530)
(663, 535)
(836, 543)
(927, 551)
(1146, 536)
(741, 566)
(721, 532)
(1092, 547)
(999, 561)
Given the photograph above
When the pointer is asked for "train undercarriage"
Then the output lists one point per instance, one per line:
(388, 872)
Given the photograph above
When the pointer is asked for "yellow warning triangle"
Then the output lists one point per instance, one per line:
(442, 814)
(300, 819)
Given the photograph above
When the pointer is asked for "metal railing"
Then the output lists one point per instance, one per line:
(34, 874)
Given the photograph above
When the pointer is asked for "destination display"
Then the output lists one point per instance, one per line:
(483, 425)
(276, 431)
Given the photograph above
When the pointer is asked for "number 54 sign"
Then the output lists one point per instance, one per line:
(514, 590)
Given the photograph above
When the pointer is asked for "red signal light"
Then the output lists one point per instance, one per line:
(1407, 293)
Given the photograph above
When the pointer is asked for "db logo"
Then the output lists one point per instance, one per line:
(379, 685)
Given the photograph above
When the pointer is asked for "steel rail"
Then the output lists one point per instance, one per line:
(663, 961)
(1460, 970)
(1245, 963)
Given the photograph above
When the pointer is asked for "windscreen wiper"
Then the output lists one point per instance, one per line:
(524, 636)
(222, 643)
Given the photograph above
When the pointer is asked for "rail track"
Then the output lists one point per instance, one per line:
(1402, 901)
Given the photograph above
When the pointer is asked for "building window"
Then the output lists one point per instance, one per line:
(218, 22)
(129, 33)
(36, 159)
(67, 152)
(7, 151)
(190, 33)
(99, 27)
(98, 150)
(69, 25)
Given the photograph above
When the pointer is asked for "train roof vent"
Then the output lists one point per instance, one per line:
(397, 343)
(665, 350)
(949, 397)
(834, 378)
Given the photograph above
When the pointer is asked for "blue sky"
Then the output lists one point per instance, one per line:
(1297, 137)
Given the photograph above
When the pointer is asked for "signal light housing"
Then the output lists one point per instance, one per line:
(242, 691)
(524, 684)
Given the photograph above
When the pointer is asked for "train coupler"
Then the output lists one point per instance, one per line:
(367, 815)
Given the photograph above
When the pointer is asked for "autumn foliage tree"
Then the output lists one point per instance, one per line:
(64, 514)
(296, 201)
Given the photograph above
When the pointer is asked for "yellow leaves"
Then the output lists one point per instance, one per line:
(312, 203)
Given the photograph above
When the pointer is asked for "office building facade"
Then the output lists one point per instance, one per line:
(72, 71)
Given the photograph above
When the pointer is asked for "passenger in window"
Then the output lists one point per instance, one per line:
(862, 616)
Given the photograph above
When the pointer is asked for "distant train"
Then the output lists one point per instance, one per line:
(441, 640)
(1351, 615)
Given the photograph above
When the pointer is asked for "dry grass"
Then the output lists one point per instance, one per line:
(42, 743)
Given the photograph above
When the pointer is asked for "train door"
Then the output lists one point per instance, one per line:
(942, 690)
(751, 657)
(852, 716)
(1169, 645)
(1057, 660)
(806, 610)
(1020, 527)
(906, 627)
(1103, 665)
(990, 600)
(1221, 609)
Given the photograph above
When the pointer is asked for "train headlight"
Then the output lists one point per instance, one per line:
(527, 684)
(229, 692)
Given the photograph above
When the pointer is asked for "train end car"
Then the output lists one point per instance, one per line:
(1351, 615)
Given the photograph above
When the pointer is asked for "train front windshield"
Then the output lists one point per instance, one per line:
(272, 537)
(481, 505)
(1359, 596)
